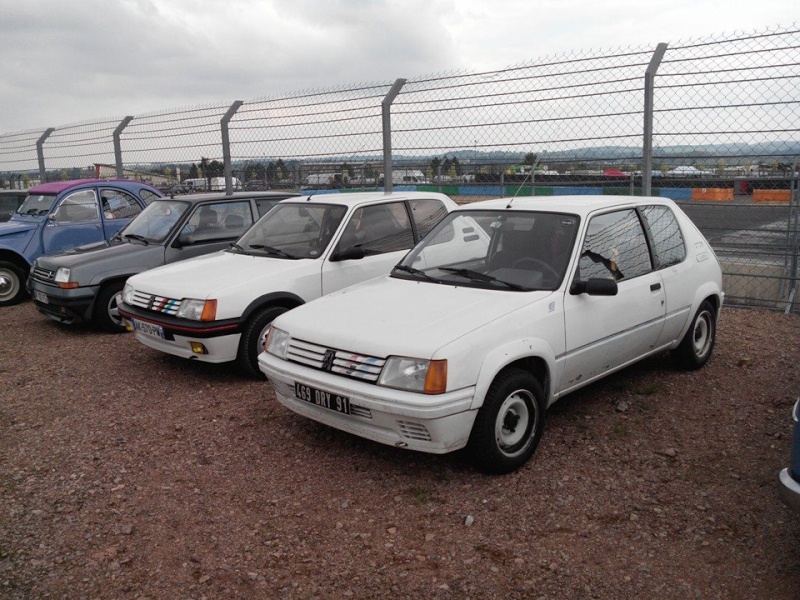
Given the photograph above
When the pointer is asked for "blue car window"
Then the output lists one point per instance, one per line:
(119, 205)
(78, 206)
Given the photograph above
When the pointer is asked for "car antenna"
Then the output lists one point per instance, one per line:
(530, 174)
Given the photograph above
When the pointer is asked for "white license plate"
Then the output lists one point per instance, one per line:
(148, 328)
(321, 398)
(41, 297)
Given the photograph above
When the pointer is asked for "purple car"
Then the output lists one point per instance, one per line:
(61, 215)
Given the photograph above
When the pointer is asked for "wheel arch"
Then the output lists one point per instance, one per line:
(286, 299)
(531, 355)
(16, 259)
(105, 283)
(708, 292)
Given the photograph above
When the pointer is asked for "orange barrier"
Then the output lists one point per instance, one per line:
(716, 194)
(771, 195)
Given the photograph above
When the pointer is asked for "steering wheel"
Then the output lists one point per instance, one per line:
(529, 260)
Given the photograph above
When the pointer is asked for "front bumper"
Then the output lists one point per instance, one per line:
(427, 423)
(65, 306)
(220, 339)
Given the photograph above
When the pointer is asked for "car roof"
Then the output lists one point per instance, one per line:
(578, 205)
(55, 187)
(219, 196)
(365, 197)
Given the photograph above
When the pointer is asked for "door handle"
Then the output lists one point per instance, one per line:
(655, 287)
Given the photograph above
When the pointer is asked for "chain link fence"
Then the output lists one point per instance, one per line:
(711, 123)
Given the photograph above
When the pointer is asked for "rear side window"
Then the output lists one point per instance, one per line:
(148, 195)
(426, 214)
(119, 205)
(264, 205)
(615, 247)
(666, 234)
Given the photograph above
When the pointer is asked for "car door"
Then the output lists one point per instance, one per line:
(605, 332)
(118, 209)
(74, 221)
(384, 233)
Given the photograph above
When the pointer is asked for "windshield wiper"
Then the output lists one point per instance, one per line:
(274, 251)
(414, 271)
(137, 237)
(476, 276)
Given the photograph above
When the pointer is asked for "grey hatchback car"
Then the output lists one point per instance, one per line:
(81, 285)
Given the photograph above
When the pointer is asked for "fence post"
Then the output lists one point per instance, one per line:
(118, 146)
(794, 226)
(40, 152)
(386, 106)
(647, 149)
(226, 144)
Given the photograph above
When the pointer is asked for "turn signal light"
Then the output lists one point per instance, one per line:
(209, 311)
(436, 379)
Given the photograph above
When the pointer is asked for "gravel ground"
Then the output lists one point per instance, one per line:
(125, 473)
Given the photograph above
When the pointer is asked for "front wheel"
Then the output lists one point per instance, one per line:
(509, 425)
(12, 280)
(253, 336)
(106, 309)
(696, 346)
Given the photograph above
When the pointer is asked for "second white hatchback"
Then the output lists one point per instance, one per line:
(217, 308)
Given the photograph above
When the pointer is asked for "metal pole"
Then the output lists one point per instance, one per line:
(649, 87)
(226, 144)
(118, 146)
(40, 152)
(794, 225)
(386, 106)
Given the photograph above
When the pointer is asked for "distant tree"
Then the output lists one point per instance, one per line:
(281, 169)
(457, 165)
(436, 162)
(530, 159)
(193, 171)
(214, 168)
(271, 172)
(347, 170)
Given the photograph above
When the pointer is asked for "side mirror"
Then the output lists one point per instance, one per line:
(351, 253)
(595, 286)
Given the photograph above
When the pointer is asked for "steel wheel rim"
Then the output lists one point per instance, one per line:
(701, 336)
(515, 420)
(9, 285)
(113, 310)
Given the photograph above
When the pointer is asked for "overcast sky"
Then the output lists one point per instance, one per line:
(67, 62)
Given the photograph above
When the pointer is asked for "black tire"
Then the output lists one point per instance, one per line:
(497, 444)
(106, 312)
(12, 284)
(250, 346)
(698, 343)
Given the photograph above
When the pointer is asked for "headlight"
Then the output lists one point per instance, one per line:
(62, 275)
(197, 310)
(277, 342)
(414, 374)
(127, 294)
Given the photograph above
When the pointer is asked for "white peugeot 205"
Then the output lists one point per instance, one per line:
(506, 306)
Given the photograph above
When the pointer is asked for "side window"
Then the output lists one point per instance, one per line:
(264, 205)
(235, 217)
(615, 246)
(426, 214)
(378, 229)
(148, 196)
(78, 206)
(223, 219)
(667, 237)
(118, 205)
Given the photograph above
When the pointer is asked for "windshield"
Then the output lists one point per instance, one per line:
(37, 204)
(503, 249)
(293, 230)
(156, 221)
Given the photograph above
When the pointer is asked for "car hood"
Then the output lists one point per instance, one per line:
(401, 317)
(107, 253)
(215, 275)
